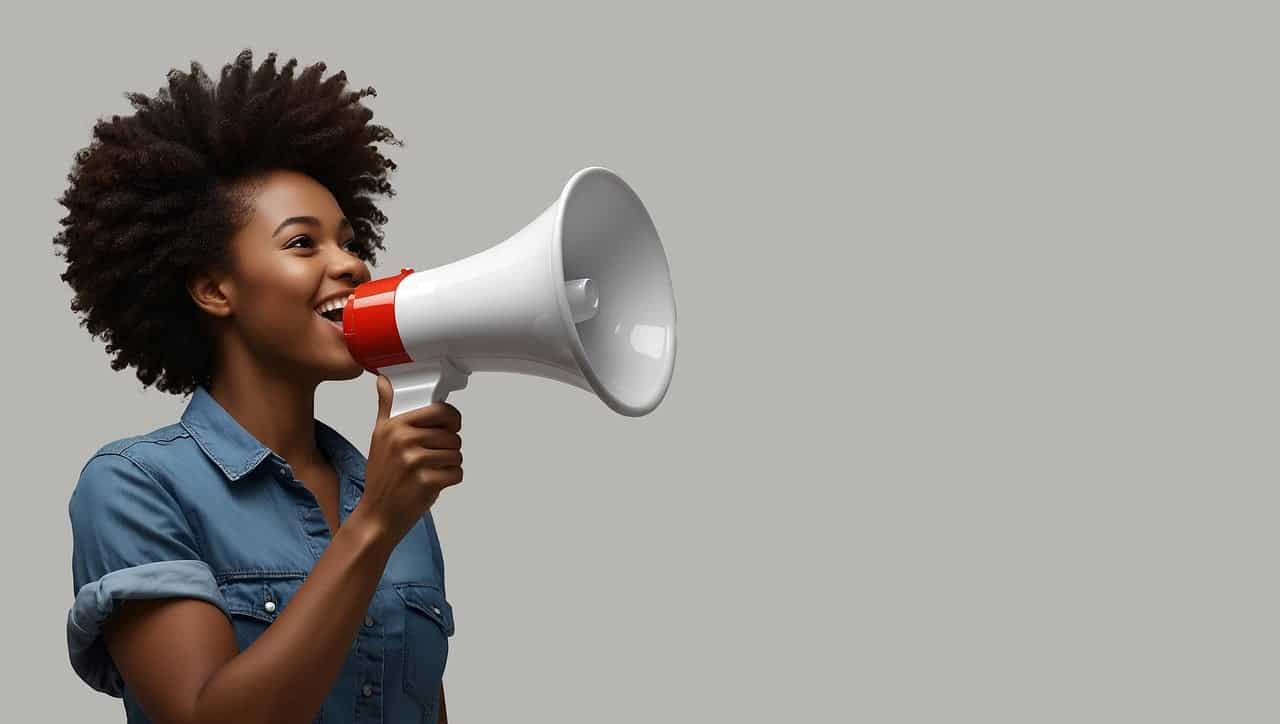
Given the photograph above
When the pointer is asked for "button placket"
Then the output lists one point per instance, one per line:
(369, 661)
(282, 469)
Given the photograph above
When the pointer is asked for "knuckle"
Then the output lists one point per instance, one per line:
(404, 437)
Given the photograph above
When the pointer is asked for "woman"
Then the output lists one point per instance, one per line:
(247, 563)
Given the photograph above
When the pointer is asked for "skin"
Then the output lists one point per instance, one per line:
(273, 350)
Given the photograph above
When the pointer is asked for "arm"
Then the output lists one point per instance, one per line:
(444, 718)
(125, 519)
(285, 675)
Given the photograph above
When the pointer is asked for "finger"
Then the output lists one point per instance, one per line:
(432, 437)
(437, 414)
(453, 476)
(457, 417)
(385, 392)
(441, 477)
(425, 458)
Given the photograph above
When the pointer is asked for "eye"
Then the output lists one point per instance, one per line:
(352, 245)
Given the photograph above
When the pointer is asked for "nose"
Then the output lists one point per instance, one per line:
(344, 264)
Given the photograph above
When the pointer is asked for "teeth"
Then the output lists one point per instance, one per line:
(330, 306)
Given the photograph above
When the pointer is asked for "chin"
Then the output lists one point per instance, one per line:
(349, 371)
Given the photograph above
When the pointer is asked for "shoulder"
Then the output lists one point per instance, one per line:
(143, 444)
(136, 458)
(125, 493)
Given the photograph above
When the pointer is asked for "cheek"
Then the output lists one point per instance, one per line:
(277, 308)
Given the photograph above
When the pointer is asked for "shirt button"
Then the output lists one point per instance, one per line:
(270, 606)
(433, 608)
(367, 690)
(368, 620)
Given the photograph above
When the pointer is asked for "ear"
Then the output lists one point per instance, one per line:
(210, 290)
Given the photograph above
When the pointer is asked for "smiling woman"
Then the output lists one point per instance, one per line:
(247, 563)
(283, 269)
(158, 195)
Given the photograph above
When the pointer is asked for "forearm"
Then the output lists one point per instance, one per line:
(289, 670)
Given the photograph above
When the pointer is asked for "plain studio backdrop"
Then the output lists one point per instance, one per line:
(973, 415)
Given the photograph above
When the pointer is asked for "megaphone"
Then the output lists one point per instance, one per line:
(581, 295)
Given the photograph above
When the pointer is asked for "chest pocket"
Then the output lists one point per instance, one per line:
(428, 624)
(254, 602)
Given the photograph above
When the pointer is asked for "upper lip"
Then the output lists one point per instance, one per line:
(331, 297)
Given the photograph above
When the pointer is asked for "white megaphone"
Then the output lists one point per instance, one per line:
(582, 294)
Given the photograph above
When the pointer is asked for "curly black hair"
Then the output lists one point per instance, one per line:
(156, 195)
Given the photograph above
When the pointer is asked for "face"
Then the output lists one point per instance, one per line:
(283, 268)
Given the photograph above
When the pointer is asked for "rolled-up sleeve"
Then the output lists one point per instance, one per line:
(130, 540)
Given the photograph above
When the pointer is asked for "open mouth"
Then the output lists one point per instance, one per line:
(332, 312)
(334, 318)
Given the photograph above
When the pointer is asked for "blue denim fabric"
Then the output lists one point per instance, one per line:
(200, 509)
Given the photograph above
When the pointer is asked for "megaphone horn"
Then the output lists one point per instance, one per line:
(581, 295)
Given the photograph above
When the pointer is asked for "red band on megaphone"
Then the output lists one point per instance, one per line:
(369, 324)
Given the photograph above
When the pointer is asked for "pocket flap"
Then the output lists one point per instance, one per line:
(260, 598)
(429, 601)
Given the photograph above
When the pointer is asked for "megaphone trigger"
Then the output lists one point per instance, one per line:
(418, 384)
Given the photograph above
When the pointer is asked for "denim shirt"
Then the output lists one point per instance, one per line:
(200, 509)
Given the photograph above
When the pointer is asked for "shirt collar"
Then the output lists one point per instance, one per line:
(237, 453)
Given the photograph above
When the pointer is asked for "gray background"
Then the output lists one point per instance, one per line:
(973, 416)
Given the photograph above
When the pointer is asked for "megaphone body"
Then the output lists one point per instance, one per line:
(581, 295)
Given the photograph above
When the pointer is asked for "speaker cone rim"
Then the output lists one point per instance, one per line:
(575, 342)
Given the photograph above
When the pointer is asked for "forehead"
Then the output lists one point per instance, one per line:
(281, 194)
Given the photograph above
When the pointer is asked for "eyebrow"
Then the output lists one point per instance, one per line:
(343, 223)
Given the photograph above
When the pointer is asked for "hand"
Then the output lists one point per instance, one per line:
(412, 457)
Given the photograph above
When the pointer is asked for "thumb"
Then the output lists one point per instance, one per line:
(385, 392)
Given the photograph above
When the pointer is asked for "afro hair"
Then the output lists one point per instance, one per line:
(156, 195)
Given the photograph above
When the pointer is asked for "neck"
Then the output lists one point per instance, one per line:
(274, 407)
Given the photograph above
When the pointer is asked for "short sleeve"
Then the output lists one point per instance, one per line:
(130, 540)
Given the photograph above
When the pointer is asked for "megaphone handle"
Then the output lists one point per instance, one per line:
(418, 384)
